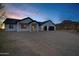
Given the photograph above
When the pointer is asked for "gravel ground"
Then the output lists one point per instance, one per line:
(52, 43)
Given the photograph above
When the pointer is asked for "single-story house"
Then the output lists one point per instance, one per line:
(28, 24)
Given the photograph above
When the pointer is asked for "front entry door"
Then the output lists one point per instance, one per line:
(34, 26)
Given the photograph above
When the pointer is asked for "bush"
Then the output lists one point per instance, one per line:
(77, 30)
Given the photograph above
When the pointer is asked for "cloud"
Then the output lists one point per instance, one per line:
(19, 13)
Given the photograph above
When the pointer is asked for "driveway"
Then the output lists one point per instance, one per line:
(52, 43)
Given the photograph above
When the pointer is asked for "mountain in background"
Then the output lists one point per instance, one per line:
(68, 25)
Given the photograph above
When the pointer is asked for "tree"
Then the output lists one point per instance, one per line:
(2, 10)
(2, 15)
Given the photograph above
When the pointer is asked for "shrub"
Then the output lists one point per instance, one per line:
(77, 30)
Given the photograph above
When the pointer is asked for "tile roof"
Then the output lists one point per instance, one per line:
(14, 21)
(11, 21)
(41, 23)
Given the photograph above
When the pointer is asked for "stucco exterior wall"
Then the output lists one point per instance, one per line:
(25, 21)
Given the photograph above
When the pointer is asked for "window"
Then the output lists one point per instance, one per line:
(23, 26)
(11, 26)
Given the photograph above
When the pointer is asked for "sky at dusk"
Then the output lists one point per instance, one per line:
(42, 11)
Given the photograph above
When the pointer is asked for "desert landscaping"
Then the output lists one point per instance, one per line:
(51, 43)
